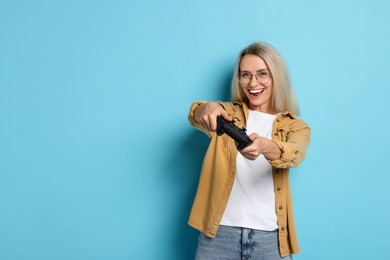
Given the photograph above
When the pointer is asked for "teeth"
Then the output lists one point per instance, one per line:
(256, 91)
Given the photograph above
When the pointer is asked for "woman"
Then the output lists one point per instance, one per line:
(243, 205)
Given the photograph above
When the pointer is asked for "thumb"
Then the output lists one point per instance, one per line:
(253, 136)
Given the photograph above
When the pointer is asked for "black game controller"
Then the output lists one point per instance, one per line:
(238, 134)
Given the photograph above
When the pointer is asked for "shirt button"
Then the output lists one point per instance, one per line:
(280, 207)
(296, 152)
(279, 189)
(277, 171)
(283, 229)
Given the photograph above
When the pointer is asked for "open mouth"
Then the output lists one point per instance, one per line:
(256, 92)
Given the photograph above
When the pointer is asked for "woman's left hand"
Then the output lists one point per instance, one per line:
(252, 151)
(261, 145)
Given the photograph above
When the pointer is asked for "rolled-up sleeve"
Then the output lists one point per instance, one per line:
(293, 141)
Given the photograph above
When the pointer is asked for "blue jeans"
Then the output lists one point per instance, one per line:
(239, 243)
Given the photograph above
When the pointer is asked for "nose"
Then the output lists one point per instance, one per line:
(253, 82)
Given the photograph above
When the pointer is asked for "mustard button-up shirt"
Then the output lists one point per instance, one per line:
(291, 134)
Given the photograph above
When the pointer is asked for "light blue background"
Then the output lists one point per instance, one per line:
(98, 161)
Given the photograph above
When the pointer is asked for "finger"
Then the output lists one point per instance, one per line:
(250, 148)
(249, 157)
(246, 150)
(205, 123)
(225, 115)
(213, 123)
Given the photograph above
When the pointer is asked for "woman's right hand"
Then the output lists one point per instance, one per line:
(206, 115)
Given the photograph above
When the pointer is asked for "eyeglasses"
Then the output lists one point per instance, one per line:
(262, 77)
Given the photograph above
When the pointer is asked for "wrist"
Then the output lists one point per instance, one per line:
(271, 150)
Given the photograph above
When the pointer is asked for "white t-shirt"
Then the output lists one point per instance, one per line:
(252, 200)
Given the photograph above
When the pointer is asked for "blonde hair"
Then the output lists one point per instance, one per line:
(283, 97)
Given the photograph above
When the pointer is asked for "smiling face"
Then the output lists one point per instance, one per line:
(259, 95)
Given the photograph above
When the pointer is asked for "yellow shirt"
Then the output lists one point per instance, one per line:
(291, 134)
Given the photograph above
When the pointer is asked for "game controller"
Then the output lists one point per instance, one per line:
(238, 134)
